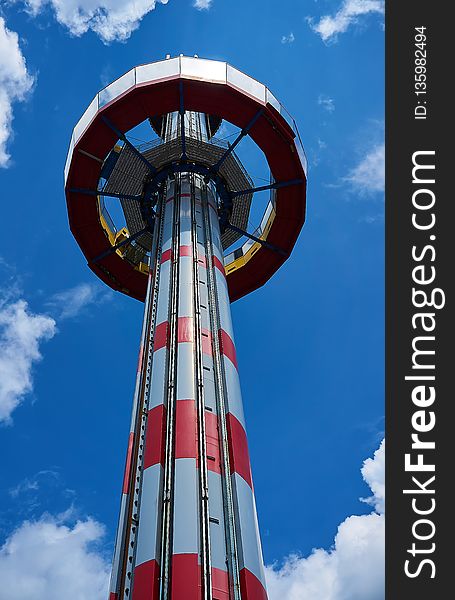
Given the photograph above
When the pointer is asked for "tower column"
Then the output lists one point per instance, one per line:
(188, 526)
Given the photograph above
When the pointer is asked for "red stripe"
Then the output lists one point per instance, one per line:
(139, 360)
(212, 442)
(227, 347)
(206, 342)
(185, 429)
(250, 586)
(186, 251)
(146, 581)
(185, 195)
(113, 596)
(238, 449)
(186, 577)
(161, 338)
(166, 255)
(170, 199)
(185, 329)
(220, 584)
(154, 437)
(218, 265)
(129, 454)
(202, 260)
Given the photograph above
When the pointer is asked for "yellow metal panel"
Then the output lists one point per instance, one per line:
(240, 262)
(115, 238)
(107, 229)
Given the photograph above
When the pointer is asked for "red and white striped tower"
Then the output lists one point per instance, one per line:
(188, 528)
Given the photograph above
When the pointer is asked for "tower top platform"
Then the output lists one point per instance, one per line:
(181, 84)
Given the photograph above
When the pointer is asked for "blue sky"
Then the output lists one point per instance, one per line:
(310, 343)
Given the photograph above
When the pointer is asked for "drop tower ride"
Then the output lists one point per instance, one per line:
(187, 528)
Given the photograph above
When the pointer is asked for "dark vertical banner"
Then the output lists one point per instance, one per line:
(420, 248)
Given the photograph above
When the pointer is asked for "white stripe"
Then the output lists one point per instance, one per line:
(225, 317)
(205, 318)
(185, 225)
(162, 311)
(248, 540)
(234, 394)
(157, 381)
(185, 300)
(186, 508)
(221, 284)
(185, 372)
(209, 392)
(207, 363)
(185, 208)
(169, 212)
(186, 270)
(185, 236)
(217, 533)
(201, 250)
(167, 235)
(218, 253)
(202, 272)
(147, 543)
(203, 294)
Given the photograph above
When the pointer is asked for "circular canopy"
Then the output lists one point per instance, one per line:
(205, 86)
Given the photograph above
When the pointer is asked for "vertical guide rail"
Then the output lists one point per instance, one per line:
(200, 407)
(127, 522)
(221, 396)
(169, 463)
(146, 367)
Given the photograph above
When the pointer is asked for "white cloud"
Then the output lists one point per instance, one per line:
(111, 20)
(26, 485)
(15, 83)
(316, 154)
(288, 39)
(373, 472)
(326, 102)
(33, 484)
(73, 301)
(48, 559)
(21, 333)
(369, 175)
(202, 4)
(328, 27)
(370, 219)
(335, 574)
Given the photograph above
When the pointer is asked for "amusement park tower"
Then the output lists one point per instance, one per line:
(188, 527)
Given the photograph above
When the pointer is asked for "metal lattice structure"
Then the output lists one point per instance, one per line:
(129, 173)
(188, 527)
